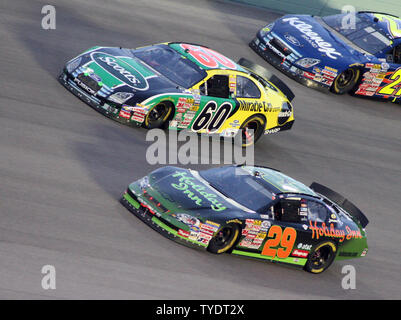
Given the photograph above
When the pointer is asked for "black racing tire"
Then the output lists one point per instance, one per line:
(225, 238)
(346, 81)
(257, 123)
(159, 115)
(321, 257)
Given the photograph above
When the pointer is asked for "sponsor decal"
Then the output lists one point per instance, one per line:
(300, 253)
(332, 232)
(121, 70)
(84, 86)
(183, 233)
(274, 130)
(139, 114)
(186, 219)
(234, 221)
(291, 39)
(319, 43)
(308, 75)
(207, 230)
(284, 114)
(255, 232)
(256, 106)
(303, 246)
(348, 254)
(190, 188)
(125, 112)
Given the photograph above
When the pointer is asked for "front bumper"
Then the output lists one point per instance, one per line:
(156, 222)
(106, 108)
(267, 54)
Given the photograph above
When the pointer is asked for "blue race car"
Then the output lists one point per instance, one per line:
(359, 54)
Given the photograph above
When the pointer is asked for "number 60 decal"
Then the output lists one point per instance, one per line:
(285, 239)
(207, 119)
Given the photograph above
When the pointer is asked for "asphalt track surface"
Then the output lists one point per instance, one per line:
(63, 166)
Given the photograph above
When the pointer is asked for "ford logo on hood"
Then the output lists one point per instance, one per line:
(291, 39)
(121, 70)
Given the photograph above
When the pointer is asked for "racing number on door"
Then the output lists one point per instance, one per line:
(285, 239)
(208, 120)
(390, 88)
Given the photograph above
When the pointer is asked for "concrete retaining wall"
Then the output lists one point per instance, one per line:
(326, 7)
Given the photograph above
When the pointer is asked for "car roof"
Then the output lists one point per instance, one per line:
(391, 24)
(182, 48)
(279, 182)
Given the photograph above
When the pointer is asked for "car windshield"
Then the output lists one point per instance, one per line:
(172, 65)
(364, 34)
(239, 185)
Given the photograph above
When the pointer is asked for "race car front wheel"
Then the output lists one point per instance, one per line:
(224, 239)
(321, 257)
(251, 130)
(158, 115)
(345, 81)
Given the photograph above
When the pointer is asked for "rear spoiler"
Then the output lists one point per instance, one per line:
(266, 74)
(342, 202)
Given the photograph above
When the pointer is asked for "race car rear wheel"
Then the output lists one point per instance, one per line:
(345, 81)
(158, 115)
(251, 130)
(224, 239)
(321, 257)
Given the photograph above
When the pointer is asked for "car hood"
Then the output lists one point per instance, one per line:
(185, 191)
(310, 38)
(118, 70)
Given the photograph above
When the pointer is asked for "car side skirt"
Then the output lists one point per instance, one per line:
(297, 262)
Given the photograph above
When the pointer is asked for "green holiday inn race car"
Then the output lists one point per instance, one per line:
(251, 211)
(181, 86)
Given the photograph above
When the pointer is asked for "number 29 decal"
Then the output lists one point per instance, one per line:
(212, 117)
(278, 238)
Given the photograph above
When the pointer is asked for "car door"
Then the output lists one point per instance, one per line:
(383, 79)
(211, 104)
(288, 231)
(216, 102)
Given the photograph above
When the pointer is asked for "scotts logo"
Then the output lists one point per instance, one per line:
(121, 70)
(306, 29)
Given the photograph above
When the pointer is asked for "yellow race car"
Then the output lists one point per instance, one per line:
(181, 86)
